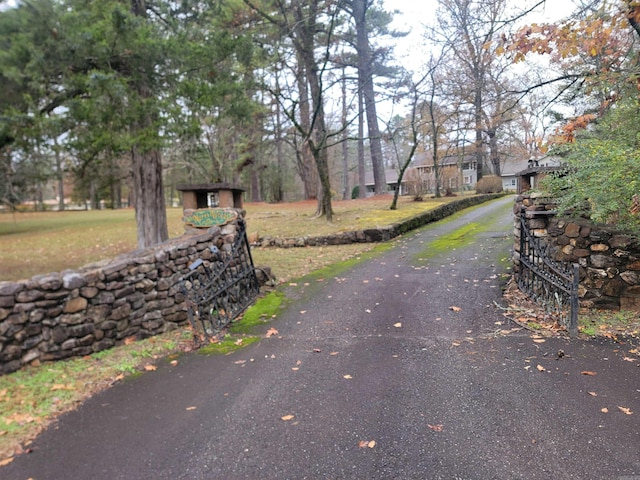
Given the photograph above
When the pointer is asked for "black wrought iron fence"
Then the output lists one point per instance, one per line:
(220, 285)
(552, 284)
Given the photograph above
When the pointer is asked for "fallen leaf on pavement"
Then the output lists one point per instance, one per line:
(586, 372)
(316, 350)
(397, 325)
(604, 410)
(302, 312)
(629, 359)
(6, 461)
(174, 362)
(367, 443)
(540, 368)
(240, 362)
(455, 309)
(539, 340)
(286, 418)
(348, 377)
(333, 353)
(625, 410)
(150, 368)
(191, 408)
(593, 394)
(271, 332)
(436, 428)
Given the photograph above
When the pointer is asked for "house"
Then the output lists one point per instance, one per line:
(509, 171)
(392, 181)
(456, 172)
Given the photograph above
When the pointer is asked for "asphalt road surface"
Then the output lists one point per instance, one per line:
(374, 375)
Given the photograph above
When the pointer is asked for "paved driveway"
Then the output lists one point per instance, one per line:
(374, 375)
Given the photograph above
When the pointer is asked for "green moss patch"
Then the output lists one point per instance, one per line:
(259, 313)
(229, 345)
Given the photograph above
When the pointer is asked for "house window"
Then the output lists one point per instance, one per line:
(467, 179)
(513, 182)
(213, 200)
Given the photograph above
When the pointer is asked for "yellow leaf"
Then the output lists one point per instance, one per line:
(58, 386)
(625, 410)
(371, 444)
(6, 461)
(286, 418)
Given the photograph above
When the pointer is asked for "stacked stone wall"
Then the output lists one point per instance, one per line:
(76, 313)
(609, 260)
(379, 234)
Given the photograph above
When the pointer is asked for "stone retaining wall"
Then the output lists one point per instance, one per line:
(380, 234)
(609, 260)
(76, 313)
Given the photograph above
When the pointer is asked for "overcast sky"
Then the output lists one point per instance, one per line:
(415, 13)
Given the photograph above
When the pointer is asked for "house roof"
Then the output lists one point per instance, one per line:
(390, 174)
(529, 171)
(424, 160)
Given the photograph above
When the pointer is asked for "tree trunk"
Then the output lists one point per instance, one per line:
(345, 145)
(362, 188)
(59, 174)
(493, 151)
(306, 162)
(365, 69)
(151, 218)
(151, 212)
(478, 128)
(306, 29)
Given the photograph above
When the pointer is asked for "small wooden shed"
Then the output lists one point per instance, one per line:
(530, 178)
(210, 195)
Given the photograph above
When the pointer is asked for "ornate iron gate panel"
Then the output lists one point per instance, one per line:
(552, 284)
(217, 289)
